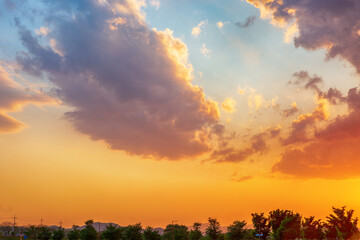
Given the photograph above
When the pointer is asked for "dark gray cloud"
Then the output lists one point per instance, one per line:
(329, 24)
(304, 79)
(248, 22)
(130, 86)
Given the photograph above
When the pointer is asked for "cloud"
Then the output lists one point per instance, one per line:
(258, 145)
(332, 25)
(301, 126)
(241, 91)
(42, 31)
(256, 100)
(236, 178)
(205, 51)
(303, 78)
(130, 86)
(332, 151)
(13, 97)
(220, 24)
(9, 4)
(291, 111)
(248, 22)
(155, 3)
(229, 105)
(198, 28)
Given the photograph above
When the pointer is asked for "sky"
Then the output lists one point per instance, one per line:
(151, 111)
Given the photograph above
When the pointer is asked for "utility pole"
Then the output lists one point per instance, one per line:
(60, 224)
(14, 225)
(41, 220)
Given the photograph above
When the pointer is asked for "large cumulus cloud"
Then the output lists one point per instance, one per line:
(129, 85)
(330, 24)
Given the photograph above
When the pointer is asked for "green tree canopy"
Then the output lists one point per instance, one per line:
(6, 228)
(276, 217)
(151, 234)
(89, 232)
(312, 229)
(133, 232)
(58, 234)
(290, 227)
(32, 232)
(213, 231)
(44, 233)
(237, 231)
(261, 225)
(112, 232)
(176, 232)
(341, 224)
(195, 233)
(74, 234)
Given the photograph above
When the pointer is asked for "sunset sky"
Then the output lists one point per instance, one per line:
(150, 111)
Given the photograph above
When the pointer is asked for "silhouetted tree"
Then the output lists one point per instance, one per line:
(58, 234)
(341, 224)
(151, 234)
(237, 231)
(176, 232)
(74, 234)
(195, 233)
(276, 217)
(112, 232)
(213, 231)
(132, 232)
(6, 228)
(261, 225)
(31, 232)
(290, 227)
(44, 233)
(312, 229)
(89, 232)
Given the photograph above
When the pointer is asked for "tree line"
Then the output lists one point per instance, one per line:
(277, 225)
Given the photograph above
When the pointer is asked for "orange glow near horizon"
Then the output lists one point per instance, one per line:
(79, 179)
(117, 111)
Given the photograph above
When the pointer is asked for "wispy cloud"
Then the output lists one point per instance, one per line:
(248, 22)
(258, 145)
(198, 28)
(229, 105)
(155, 3)
(13, 97)
(205, 51)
